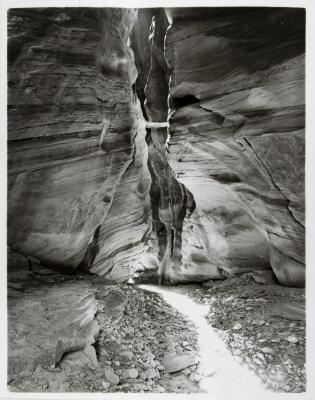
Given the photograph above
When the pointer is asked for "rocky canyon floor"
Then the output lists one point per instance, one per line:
(187, 338)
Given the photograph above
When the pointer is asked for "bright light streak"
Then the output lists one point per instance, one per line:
(221, 372)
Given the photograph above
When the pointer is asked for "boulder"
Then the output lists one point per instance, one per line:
(81, 358)
(178, 362)
(47, 322)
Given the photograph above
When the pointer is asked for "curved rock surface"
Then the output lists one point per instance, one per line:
(227, 192)
(237, 136)
(76, 140)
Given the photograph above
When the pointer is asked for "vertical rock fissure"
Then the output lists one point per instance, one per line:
(168, 196)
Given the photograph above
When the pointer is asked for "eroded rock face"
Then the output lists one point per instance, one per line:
(227, 192)
(78, 176)
(48, 321)
(237, 137)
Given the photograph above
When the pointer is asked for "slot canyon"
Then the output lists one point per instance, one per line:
(155, 221)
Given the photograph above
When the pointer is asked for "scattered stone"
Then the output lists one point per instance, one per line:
(111, 376)
(258, 361)
(131, 373)
(147, 356)
(160, 389)
(81, 358)
(178, 363)
(237, 352)
(105, 385)
(292, 339)
(268, 350)
(127, 354)
(152, 373)
(261, 356)
(143, 375)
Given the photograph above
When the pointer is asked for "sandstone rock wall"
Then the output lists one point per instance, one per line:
(237, 136)
(77, 162)
(227, 192)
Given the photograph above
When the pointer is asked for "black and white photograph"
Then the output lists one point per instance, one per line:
(155, 200)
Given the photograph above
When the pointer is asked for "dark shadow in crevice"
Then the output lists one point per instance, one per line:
(179, 102)
(91, 252)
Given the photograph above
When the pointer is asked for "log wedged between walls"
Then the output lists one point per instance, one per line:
(231, 83)
(227, 192)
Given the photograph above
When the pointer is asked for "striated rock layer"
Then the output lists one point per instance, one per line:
(78, 189)
(237, 137)
(218, 193)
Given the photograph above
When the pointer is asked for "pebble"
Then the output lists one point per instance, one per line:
(111, 376)
(152, 373)
(261, 356)
(143, 375)
(237, 352)
(131, 373)
(178, 362)
(268, 350)
(292, 339)
(237, 327)
(105, 385)
(258, 360)
(126, 354)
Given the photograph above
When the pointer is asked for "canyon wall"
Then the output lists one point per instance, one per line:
(228, 176)
(218, 193)
(237, 136)
(78, 181)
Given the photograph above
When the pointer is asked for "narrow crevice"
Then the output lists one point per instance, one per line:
(171, 202)
(91, 252)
